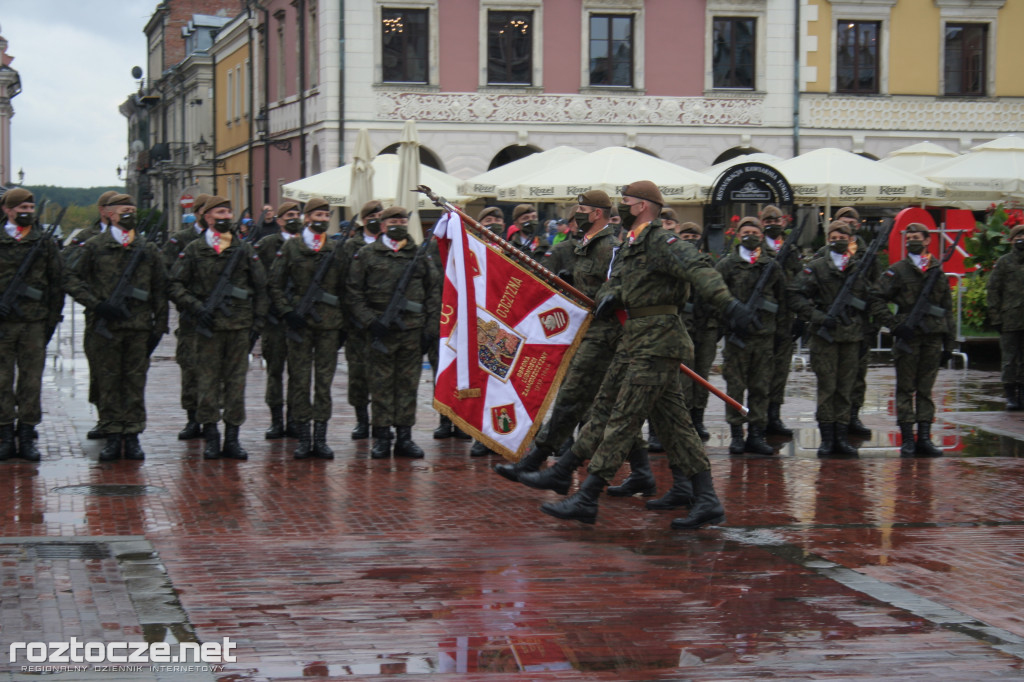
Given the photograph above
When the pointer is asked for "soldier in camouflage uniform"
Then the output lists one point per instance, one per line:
(184, 352)
(397, 354)
(358, 339)
(131, 333)
(930, 345)
(1005, 301)
(747, 367)
(315, 337)
(525, 233)
(26, 325)
(225, 352)
(272, 341)
(647, 281)
(561, 258)
(702, 325)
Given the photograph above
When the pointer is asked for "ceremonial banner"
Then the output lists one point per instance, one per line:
(506, 341)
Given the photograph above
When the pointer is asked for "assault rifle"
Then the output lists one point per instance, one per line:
(756, 300)
(217, 300)
(845, 299)
(315, 292)
(124, 289)
(17, 288)
(392, 316)
(922, 306)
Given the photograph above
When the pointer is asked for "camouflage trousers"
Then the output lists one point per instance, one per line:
(275, 354)
(748, 371)
(915, 377)
(394, 379)
(860, 382)
(705, 345)
(356, 348)
(121, 365)
(221, 370)
(89, 343)
(782, 359)
(635, 389)
(185, 356)
(1011, 349)
(313, 360)
(22, 358)
(835, 365)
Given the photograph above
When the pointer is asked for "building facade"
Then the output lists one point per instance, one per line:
(10, 87)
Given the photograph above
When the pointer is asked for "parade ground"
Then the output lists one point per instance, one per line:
(865, 569)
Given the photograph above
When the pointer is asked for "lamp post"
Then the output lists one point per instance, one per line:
(21, 177)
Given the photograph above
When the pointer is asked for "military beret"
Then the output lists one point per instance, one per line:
(691, 227)
(18, 195)
(370, 207)
(847, 212)
(595, 198)
(1016, 232)
(120, 200)
(749, 220)
(102, 201)
(491, 210)
(521, 209)
(316, 204)
(200, 205)
(669, 214)
(839, 226)
(645, 190)
(216, 202)
(917, 227)
(770, 211)
(287, 205)
(394, 212)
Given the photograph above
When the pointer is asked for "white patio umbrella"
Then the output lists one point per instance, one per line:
(993, 171)
(758, 157)
(409, 177)
(362, 172)
(486, 184)
(917, 156)
(609, 169)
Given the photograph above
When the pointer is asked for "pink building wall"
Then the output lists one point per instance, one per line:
(562, 45)
(458, 53)
(674, 47)
(291, 56)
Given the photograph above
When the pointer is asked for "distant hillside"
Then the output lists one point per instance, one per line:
(70, 196)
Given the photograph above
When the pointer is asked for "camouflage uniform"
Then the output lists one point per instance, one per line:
(562, 256)
(702, 325)
(89, 341)
(535, 246)
(782, 354)
(1005, 301)
(121, 362)
(272, 341)
(184, 352)
(358, 342)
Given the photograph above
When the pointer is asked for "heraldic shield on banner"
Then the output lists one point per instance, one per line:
(506, 341)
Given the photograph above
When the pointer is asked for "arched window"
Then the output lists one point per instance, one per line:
(427, 156)
(512, 153)
(733, 152)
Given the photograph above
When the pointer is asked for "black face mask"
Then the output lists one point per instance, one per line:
(773, 231)
(627, 218)
(1019, 245)
(126, 221)
(582, 221)
(24, 219)
(915, 248)
(293, 226)
(751, 242)
(840, 246)
(318, 226)
(398, 232)
(221, 225)
(529, 228)
(373, 225)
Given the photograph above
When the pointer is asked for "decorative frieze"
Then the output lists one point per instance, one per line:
(916, 113)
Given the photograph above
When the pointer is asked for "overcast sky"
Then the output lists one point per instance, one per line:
(74, 58)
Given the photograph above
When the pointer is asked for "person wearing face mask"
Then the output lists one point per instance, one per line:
(747, 369)
(272, 341)
(525, 233)
(222, 357)
(1005, 288)
(703, 327)
(315, 351)
(834, 362)
(561, 257)
(395, 374)
(931, 343)
(122, 359)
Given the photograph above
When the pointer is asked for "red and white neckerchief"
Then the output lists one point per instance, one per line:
(748, 255)
(841, 260)
(776, 244)
(313, 240)
(921, 261)
(16, 231)
(122, 237)
(217, 241)
(391, 243)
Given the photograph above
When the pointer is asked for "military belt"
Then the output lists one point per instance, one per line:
(648, 311)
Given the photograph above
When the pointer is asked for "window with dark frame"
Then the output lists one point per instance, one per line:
(966, 60)
(611, 50)
(857, 56)
(733, 53)
(509, 48)
(404, 41)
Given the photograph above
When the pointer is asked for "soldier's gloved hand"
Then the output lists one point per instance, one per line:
(294, 320)
(739, 318)
(342, 338)
(606, 307)
(49, 332)
(830, 323)
(254, 336)
(427, 340)
(946, 356)
(566, 276)
(798, 328)
(204, 318)
(153, 341)
(108, 311)
(379, 330)
(902, 331)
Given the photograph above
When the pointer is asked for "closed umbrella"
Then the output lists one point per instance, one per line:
(409, 177)
(361, 189)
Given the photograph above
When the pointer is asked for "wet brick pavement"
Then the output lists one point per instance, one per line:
(876, 568)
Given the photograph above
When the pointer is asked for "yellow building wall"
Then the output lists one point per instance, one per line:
(232, 181)
(1009, 73)
(232, 126)
(915, 48)
(821, 59)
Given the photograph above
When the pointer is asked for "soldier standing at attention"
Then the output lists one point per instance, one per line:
(26, 326)
(126, 336)
(850, 216)
(185, 348)
(272, 341)
(396, 355)
(525, 233)
(315, 336)
(225, 350)
(930, 344)
(1005, 288)
(702, 326)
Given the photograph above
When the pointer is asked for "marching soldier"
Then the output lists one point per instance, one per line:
(396, 353)
(126, 334)
(307, 271)
(185, 348)
(27, 322)
(272, 342)
(98, 227)
(493, 219)
(703, 327)
(221, 266)
(1004, 288)
(525, 233)
(561, 258)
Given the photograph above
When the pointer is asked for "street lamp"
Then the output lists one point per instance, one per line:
(261, 123)
(119, 171)
(201, 147)
(21, 176)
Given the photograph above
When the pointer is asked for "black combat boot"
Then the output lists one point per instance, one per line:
(192, 428)
(908, 447)
(304, 448)
(679, 495)
(828, 438)
(26, 443)
(444, 429)
(212, 437)
(7, 449)
(459, 434)
(362, 429)
(112, 448)
(276, 430)
(132, 448)
(925, 446)
(381, 442)
(738, 445)
(1012, 397)
(531, 461)
(232, 448)
(640, 480)
(697, 417)
(292, 428)
(97, 432)
(479, 449)
(404, 445)
(653, 442)
(856, 426)
(567, 445)
(775, 426)
(580, 507)
(842, 447)
(321, 449)
(706, 507)
(557, 477)
(756, 444)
